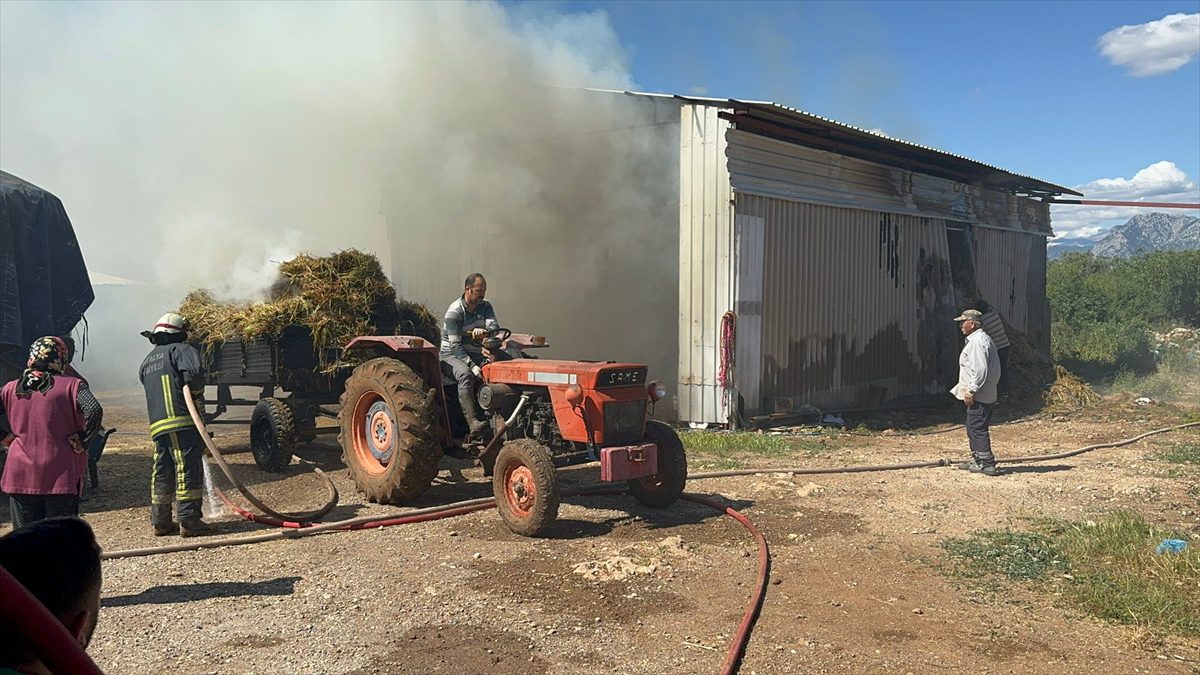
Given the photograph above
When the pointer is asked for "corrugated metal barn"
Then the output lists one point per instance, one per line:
(823, 264)
(844, 256)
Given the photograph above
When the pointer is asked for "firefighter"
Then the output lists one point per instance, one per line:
(178, 473)
(468, 320)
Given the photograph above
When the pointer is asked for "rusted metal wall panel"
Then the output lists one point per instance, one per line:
(1011, 275)
(773, 168)
(705, 262)
(853, 302)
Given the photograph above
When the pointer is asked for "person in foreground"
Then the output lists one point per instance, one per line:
(49, 414)
(978, 375)
(58, 562)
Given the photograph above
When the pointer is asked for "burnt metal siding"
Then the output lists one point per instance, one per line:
(853, 301)
(1011, 275)
(775, 168)
(706, 275)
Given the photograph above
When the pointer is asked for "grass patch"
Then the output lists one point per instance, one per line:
(1119, 577)
(1180, 453)
(728, 450)
(1020, 556)
(1108, 569)
(737, 442)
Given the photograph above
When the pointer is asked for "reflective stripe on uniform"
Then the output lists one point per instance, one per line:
(155, 474)
(182, 492)
(171, 424)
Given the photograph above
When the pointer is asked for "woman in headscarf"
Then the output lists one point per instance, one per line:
(49, 414)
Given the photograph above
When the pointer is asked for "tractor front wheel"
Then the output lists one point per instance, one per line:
(272, 434)
(663, 488)
(390, 424)
(526, 487)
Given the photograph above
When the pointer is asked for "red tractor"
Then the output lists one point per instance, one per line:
(396, 420)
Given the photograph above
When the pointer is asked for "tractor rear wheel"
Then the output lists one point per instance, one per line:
(390, 424)
(526, 487)
(663, 488)
(272, 434)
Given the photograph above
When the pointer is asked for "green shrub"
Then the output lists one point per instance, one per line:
(1103, 308)
(1100, 349)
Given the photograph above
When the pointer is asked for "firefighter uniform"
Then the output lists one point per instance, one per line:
(178, 473)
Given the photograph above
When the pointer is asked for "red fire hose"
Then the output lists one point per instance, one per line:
(291, 528)
(55, 646)
(303, 517)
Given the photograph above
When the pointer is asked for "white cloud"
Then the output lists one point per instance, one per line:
(1160, 182)
(1157, 180)
(1153, 48)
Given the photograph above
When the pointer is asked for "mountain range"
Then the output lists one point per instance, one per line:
(1142, 233)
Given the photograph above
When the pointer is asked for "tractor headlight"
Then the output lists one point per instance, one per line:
(657, 390)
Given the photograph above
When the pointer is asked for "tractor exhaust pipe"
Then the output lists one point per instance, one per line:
(492, 445)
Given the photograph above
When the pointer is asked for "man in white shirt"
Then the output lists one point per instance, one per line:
(978, 374)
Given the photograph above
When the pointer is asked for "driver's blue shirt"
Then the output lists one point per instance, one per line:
(459, 323)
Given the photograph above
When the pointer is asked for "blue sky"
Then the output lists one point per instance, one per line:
(1022, 85)
(181, 125)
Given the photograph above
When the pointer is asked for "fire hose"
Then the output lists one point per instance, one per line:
(292, 529)
(302, 517)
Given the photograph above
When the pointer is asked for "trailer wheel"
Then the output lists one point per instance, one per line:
(390, 424)
(663, 488)
(272, 434)
(526, 487)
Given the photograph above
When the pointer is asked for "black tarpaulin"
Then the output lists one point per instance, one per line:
(44, 285)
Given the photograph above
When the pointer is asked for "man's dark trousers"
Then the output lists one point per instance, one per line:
(979, 416)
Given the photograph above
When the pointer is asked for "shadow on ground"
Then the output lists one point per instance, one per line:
(176, 593)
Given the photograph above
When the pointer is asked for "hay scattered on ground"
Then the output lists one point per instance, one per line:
(336, 297)
(1069, 391)
(1037, 381)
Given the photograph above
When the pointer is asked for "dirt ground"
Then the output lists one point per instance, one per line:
(856, 580)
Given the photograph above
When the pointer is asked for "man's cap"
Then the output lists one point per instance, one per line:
(970, 315)
(167, 323)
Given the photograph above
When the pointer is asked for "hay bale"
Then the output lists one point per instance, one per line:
(336, 297)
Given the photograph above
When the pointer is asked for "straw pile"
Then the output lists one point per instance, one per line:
(336, 297)
(1068, 391)
(1034, 379)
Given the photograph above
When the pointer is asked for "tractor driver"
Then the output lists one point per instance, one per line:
(468, 320)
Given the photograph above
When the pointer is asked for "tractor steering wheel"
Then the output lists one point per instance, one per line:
(493, 342)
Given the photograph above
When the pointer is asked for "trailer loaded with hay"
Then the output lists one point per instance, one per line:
(300, 346)
(333, 340)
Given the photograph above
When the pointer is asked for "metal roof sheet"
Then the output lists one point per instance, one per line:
(949, 161)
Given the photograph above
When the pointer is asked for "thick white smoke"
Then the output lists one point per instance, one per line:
(198, 144)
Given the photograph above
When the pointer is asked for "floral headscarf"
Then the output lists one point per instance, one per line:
(47, 356)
